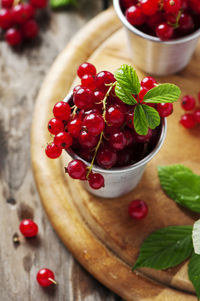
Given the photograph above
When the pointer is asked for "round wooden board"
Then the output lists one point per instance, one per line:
(97, 231)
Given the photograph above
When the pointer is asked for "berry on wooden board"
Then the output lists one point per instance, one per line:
(45, 277)
(28, 228)
(138, 209)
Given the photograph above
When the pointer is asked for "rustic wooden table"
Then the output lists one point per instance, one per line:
(21, 74)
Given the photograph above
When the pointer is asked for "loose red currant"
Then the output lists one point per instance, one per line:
(30, 29)
(143, 138)
(188, 121)
(39, 3)
(164, 31)
(86, 68)
(94, 123)
(55, 126)
(63, 140)
(149, 7)
(114, 116)
(13, 36)
(164, 109)
(77, 169)
(52, 151)
(118, 141)
(148, 82)
(62, 110)
(83, 98)
(134, 15)
(197, 115)
(28, 228)
(188, 102)
(7, 3)
(5, 18)
(172, 6)
(106, 158)
(45, 277)
(74, 127)
(88, 81)
(104, 78)
(86, 140)
(138, 209)
(96, 180)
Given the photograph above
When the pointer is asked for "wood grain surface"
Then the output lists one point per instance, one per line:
(98, 231)
(21, 74)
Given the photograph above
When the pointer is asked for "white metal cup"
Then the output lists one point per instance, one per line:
(153, 55)
(119, 181)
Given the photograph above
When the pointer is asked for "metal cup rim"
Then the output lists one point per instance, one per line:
(136, 31)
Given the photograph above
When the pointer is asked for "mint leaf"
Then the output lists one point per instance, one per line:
(127, 78)
(166, 248)
(61, 3)
(152, 116)
(124, 95)
(163, 93)
(140, 121)
(194, 272)
(182, 185)
(196, 237)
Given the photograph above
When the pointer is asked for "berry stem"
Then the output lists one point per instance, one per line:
(52, 280)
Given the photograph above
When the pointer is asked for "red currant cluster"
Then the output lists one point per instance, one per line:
(17, 20)
(166, 19)
(98, 127)
(190, 120)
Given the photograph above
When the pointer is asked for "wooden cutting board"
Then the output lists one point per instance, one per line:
(99, 232)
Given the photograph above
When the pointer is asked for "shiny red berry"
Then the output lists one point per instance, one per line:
(83, 98)
(197, 115)
(86, 140)
(134, 15)
(188, 102)
(30, 29)
(127, 3)
(118, 141)
(45, 277)
(19, 14)
(86, 69)
(94, 123)
(154, 20)
(149, 7)
(188, 121)
(63, 140)
(88, 81)
(96, 180)
(164, 31)
(5, 18)
(138, 209)
(74, 127)
(13, 36)
(7, 3)
(55, 126)
(186, 23)
(77, 169)
(172, 6)
(129, 137)
(28, 228)
(114, 116)
(164, 109)
(143, 138)
(52, 151)
(62, 110)
(148, 82)
(104, 78)
(142, 93)
(39, 3)
(106, 158)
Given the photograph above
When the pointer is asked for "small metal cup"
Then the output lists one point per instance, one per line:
(119, 181)
(154, 56)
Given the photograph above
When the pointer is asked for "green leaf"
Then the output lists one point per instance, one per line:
(152, 116)
(163, 93)
(196, 237)
(194, 272)
(140, 121)
(127, 78)
(124, 95)
(182, 185)
(165, 248)
(61, 3)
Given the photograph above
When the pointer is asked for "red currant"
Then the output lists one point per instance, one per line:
(28, 228)
(7, 3)
(83, 98)
(118, 141)
(74, 127)
(5, 18)
(88, 81)
(195, 6)
(172, 6)
(197, 115)
(149, 7)
(127, 3)
(114, 116)
(39, 3)
(96, 180)
(30, 29)
(86, 69)
(55, 126)
(138, 209)
(13, 36)
(135, 15)
(94, 123)
(164, 31)
(164, 109)
(143, 138)
(106, 158)
(188, 102)
(77, 169)
(142, 93)
(129, 120)
(188, 121)
(154, 20)
(129, 137)
(52, 151)
(86, 154)
(186, 23)
(104, 78)
(148, 82)
(86, 140)
(62, 110)
(45, 277)
(63, 140)
(19, 14)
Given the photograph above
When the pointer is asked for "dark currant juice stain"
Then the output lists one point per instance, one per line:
(27, 263)
(25, 211)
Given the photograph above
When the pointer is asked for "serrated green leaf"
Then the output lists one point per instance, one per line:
(196, 237)
(127, 77)
(194, 272)
(124, 95)
(163, 93)
(55, 4)
(140, 121)
(152, 116)
(182, 185)
(166, 248)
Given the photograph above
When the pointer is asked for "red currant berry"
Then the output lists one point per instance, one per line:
(83, 98)
(135, 16)
(86, 140)
(52, 151)
(127, 3)
(165, 109)
(104, 78)
(106, 158)
(164, 31)
(185, 5)
(171, 18)
(55, 126)
(30, 29)
(129, 120)
(118, 141)
(45, 277)
(195, 6)
(62, 110)
(154, 20)
(77, 169)
(86, 154)
(19, 14)
(114, 116)
(142, 93)
(129, 137)
(5, 18)
(149, 7)
(76, 88)
(141, 138)
(86, 68)
(96, 180)
(138, 209)
(13, 36)
(172, 6)
(28, 228)
(188, 102)
(29, 10)
(98, 97)
(197, 115)
(88, 81)
(188, 121)
(186, 23)
(63, 140)
(74, 127)
(7, 3)
(148, 82)
(94, 123)
(39, 3)
(123, 157)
